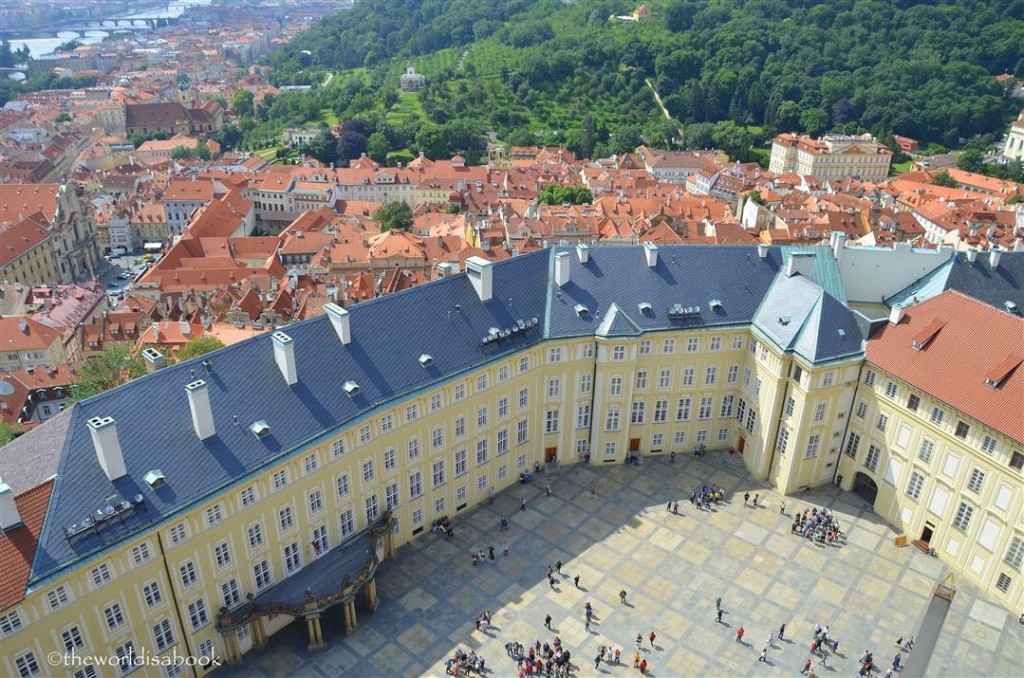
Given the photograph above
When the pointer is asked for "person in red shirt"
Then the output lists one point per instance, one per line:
(643, 667)
(739, 635)
(651, 638)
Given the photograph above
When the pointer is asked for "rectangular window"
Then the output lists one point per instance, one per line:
(414, 448)
(914, 485)
(611, 420)
(481, 483)
(813, 446)
(715, 344)
(852, 443)
(925, 453)
(741, 409)
(1015, 553)
(437, 437)
(231, 593)
(521, 461)
(187, 570)
(372, 508)
(57, 598)
(962, 429)
(364, 434)
(615, 386)
(338, 448)
(101, 575)
(502, 441)
(114, 616)
(869, 378)
(347, 522)
(751, 420)
(976, 480)
(435, 402)
(222, 554)
(163, 635)
(890, 389)
(707, 404)
(680, 438)
(417, 517)
(737, 343)
(732, 374)
(1003, 583)
(502, 407)
(753, 346)
(390, 459)
(415, 485)
(460, 428)
(555, 355)
(72, 638)
(151, 593)
(248, 497)
(937, 416)
(688, 375)
(757, 387)
(692, 345)
(782, 442)
(292, 558)
(214, 515)
(962, 519)
(316, 502)
(988, 445)
(503, 373)
(683, 409)
(641, 380)
(387, 423)
(660, 411)
(554, 388)
(723, 434)
(871, 461)
(255, 536)
(668, 346)
(583, 416)
(586, 383)
(460, 392)
(286, 517)
(702, 436)
(637, 414)
(481, 382)
(280, 479)
(551, 421)
(883, 421)
(439, 506)
(746, 377)
(657, 440)
(28, 665)
(522, 432)
(412, 413)
(763, 353)
(524, 397)
(178, 533)
(368, 473)
(913, 402)
(126, 657)
(618, 353)
(261, 575)
(438, 471)
(481, 450)
(588, 350)
(726, 410)
(645, 347)
(710, 376)
(503, 472)
(10, 623)
(481, 416)
(1017, 460)
(524, 364)
(819, 411)
(344, 486)
(609, 449)
(140, 553)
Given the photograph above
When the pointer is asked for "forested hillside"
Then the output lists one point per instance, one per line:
(558, 70)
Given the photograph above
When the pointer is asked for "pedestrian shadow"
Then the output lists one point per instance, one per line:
(657, 647)
(787, 641)
(745, 644)
(725, 624)
(627, 604)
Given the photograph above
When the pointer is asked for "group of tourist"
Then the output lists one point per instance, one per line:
(818, 525)
(461, 664)
(706, 496)
(547, 659)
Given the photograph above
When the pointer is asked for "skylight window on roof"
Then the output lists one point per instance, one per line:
(1004, 369)
(260, 428)
(646, 308)
(925, 336)
(154, 478)
(581, 310)
(785, 320)
(350, 388)
(426, 360)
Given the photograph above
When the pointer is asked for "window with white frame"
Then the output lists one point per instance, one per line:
(502, 442)
(72, 638)
(819, 411)
(502, 407)
(141, 553)
(1015, 553)
(415, 485)
(641, 380)
(555, 355)
(316, 502)
(813, 446)
(587, 350)
(503, 373)
(438, 472)
(163, 635)
(344, 486)
(741, 409)
(737, 343)
(668, 346)
(481, 483)
(198, 616)
(222, 554)
(638, 412)
(461, 463)
(732, 374)
(280, 479)
(861, 410)
(503, 472)
(414, 448)
(387, 423)
(680, 438)
(645, 347)
(611, 420)
(914, 485)
(524, 363)
(962, 429)
(247, 496)
(554, 388)
(852, 443)
(522, 431)
(372, 508)
(975, 481)
(871, 460)
(688, 376)
(707, 404)
(702, 436)
(715, 344)
(460, 494)
(660, 411)
(524, 397)
(609, 449)
(57, 598)
(726, 410)
(187, 571)
(292, 558)
(460, 427)
(618, 353)
(521, 461)
(586, 383)
(710, 375)
(890, 389)
(151, 594)
(231, 593)
(481, 382)
(214, 515)
(481, 451)
(962, 519)
(390, 459)
(261, 575)
(937, 415)
(364, 434)
(286, 517)
(206, 649)
(114, 616)
(723, 434)
(751, 420)
(436, 437)
(1003, 583)
(883, 421)
(746, 376)
(552, 420)
(439, 505)
(927, 447)
(869, 378)
(347, 523)
(178, 533)
(583, 416)
(582, 448)
(255, 532)
(100, 575)
(412, 412)
(763, 353)
(828, 379)
(615, 386)
(436, 402)
(481, 416)
(692, 345)
(460, 392)
(417, 517)
(368, 472)
(27, 665)
(757, 387)
(988, 445)
(782, 442)
(753, 346)
(657, 440)
(338, 448)
(913, 402)
(10, 624)
(683, 409)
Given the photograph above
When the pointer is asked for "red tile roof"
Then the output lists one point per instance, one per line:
(966, 342)
(18, 546)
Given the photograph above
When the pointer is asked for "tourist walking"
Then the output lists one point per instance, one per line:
(522, 503)
(764, 656)
(622, 596)
(651, 638)
(547, 622)
(807, 666)
(739, 634)
(782, 631)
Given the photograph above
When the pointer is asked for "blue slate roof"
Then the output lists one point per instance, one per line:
(444, 319)
(992, 286)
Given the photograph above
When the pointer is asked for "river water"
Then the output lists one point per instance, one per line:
(45, 45)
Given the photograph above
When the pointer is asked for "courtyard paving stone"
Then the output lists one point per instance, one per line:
(610, 526)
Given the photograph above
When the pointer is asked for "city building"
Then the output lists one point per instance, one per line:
(26, 251)
(29, 344)
(212, 518)
(1014, 148)
(410, 81)
(832, 156)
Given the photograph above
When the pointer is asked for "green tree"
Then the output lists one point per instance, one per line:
(559, 194)
(378, 146)
(814, 121)
(971, 160)
(63, 117)
(199, 346)
(182, 152)
(6, 433)
(394, 215)
(942, 178)
(241, 102)
(115, 366)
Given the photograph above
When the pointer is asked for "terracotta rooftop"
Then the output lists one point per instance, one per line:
(949, 346)
(18, 546)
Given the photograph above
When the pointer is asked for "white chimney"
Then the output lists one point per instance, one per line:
(896, 314)
(993, 258)
(23, 325)
(154, 359)
(108, 448)
(839, 245)
(561, 269)
(9, 516)
(284, 354)
(972, 255)
(802, 263)
(480, 272)
(762, 251)
(341, 322)
(583, 252)
(651, 254)
(202, 413)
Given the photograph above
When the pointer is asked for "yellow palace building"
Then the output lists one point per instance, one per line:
(199, 509)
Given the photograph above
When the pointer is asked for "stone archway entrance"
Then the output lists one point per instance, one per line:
(865, 487)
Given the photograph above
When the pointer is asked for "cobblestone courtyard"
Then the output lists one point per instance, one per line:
(610, 526)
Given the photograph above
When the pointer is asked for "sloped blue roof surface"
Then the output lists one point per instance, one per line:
(977, 279)
(831, 332)
(617, 324)
(825, 272)
(444, 319)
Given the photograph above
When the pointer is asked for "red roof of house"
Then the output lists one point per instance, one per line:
(18, 546)
(948, 347)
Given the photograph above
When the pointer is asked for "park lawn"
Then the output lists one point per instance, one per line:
(329, 117)
(268, 154)
(902, 167)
